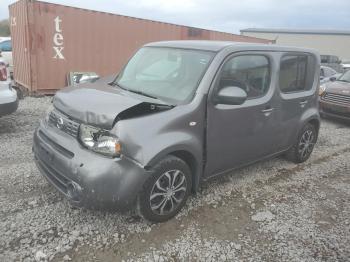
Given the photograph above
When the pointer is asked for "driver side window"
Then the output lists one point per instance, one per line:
(248, 72)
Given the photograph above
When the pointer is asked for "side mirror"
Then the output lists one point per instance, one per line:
(231, 95)
(333, 78)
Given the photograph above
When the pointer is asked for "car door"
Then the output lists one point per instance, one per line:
(296, 80)
(240, 134)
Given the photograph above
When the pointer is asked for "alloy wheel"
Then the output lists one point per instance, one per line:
(168, 192)
(306, 144)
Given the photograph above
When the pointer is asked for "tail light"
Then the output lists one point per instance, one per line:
(3, 72)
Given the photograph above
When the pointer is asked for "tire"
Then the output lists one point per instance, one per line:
(303, 147)
(166, 191)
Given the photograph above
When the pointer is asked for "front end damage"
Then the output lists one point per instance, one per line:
(85, 177)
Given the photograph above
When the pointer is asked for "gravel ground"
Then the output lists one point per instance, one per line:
(271, 211)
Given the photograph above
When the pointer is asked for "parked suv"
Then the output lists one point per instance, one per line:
(335, 98)
(178, 114)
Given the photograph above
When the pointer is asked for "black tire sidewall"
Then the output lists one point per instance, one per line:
(168, 163)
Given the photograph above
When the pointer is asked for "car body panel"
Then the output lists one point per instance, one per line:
(104, 181)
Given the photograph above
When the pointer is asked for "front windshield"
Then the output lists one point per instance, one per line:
(169, 74)
(345, 77)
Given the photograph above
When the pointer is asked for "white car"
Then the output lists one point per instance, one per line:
(346, 65)
(8, 95)
(6, 51)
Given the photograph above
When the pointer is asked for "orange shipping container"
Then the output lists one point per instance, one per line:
(51, 40)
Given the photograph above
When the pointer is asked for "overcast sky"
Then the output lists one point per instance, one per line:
(225, 15)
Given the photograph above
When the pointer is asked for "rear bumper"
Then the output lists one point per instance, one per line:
(334, 110)
(85, 178)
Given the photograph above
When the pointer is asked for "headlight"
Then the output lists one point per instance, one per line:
(322, 89)
(99, 141)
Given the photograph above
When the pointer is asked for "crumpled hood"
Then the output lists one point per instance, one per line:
(98, 104)
(338, 87)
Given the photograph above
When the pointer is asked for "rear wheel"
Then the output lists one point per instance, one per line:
(166, 191)
(304, 145)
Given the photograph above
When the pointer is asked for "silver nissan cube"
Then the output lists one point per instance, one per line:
(177, 114)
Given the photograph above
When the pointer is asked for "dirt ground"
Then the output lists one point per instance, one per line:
(271, 211)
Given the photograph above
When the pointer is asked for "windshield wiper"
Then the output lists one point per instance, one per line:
(142, 93)
(136, 91)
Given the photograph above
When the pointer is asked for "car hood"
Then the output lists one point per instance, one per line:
(338, 87)
(102, 105)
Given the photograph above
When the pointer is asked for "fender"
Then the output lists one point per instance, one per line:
(311, 114)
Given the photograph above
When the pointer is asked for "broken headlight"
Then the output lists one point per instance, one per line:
(322, 89)
(99, 141)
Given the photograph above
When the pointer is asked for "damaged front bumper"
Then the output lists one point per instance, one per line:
(84, 177)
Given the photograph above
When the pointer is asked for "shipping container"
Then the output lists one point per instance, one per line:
(51, 40)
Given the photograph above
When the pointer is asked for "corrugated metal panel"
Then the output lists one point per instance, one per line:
(86, 41)
(20, 43)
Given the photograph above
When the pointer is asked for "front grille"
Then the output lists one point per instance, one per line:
(57, 179)
(63, 123)
(337, 98)
(56, 146)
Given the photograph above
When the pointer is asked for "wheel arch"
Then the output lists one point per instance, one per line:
(310, 116)
(189, 157)
(316, 123)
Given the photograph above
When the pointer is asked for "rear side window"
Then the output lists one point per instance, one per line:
(296, 73)
(249, 72)
(6, 46)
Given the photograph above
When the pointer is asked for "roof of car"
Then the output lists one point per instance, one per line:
(216, 46)
(4, 38)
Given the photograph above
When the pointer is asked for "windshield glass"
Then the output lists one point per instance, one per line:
(345, 77)
(168, 74)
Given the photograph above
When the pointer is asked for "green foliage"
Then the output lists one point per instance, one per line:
(4, 28)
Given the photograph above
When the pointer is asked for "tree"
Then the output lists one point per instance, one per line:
(4, 27)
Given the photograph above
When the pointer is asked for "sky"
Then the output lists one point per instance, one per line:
(225, 15)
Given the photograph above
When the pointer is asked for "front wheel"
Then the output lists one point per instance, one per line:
(166, 191)
(304, 146)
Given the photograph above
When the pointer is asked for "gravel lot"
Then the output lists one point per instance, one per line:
(272, 211)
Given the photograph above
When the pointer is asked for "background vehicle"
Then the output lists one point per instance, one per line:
(335, 98)
(328, 74)
(346, 64)
(6, 52)
(8, 96)
(332, 61)
(179, 112)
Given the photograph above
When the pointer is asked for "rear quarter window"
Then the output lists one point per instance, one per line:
(296, 73)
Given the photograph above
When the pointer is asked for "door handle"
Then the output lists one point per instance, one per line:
(268, 110)
(303, 103)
